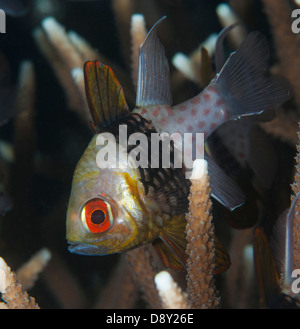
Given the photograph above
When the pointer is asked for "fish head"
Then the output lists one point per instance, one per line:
(108, 209)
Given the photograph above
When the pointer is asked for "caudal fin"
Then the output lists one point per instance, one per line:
(243, 81)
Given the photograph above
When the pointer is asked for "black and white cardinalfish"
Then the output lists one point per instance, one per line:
(112, 210)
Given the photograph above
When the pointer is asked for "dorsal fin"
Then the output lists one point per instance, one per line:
(153, 86)
(104, 94)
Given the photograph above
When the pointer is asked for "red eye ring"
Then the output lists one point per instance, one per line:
(96, 216)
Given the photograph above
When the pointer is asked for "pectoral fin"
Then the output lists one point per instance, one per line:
(171, 247)
(168, 255)
(171, 244)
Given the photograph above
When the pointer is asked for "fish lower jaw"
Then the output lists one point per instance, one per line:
(85, 249)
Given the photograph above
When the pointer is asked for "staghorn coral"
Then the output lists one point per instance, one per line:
(138, 33)
(287, 43)
(12, 294)
(12, 285)
(28, 273)
(144, 265)
(296, 190)
(171, 295)
(227, 17)
(200, 236)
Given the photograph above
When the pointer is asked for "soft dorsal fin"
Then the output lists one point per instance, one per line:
(104, 94)
(153, 86)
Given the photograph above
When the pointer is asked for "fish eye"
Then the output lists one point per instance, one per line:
(96, 215)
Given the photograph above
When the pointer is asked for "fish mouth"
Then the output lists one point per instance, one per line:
(85, 249)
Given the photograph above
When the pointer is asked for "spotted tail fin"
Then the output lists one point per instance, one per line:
(243, 81)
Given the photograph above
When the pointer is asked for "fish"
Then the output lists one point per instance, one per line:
(113, 209)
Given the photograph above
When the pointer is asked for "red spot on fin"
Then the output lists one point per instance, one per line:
(217, 115)
(182, 107)
(196, 100)
(207, 97)
(170, 111)
(213, 126)
(201, 124)
(163, 122)
(190, 128)
(156, 111)
(193, 112)
(220, 102)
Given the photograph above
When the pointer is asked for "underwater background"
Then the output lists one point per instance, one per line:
(43, 135)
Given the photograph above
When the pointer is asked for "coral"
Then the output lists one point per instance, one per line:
(227, 17)
(138, 33)
(190, 66)
(12, 286)
(171, 295)
(284, 127)
(144, 265)
(11, 290)
(287, 43)
(296, 190)
(200, 236)
(121, 291)
(28, 273)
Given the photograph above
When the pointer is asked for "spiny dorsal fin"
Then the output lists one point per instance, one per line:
(104, 94)
(153, 86)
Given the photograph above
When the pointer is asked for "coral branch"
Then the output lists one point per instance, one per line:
(190, 66)
(200, 236)
(138, 33)
(144, 267)
(28, 273)
(121, 290)
(170, 293)
(12, 292)
(296, 190)
(287, 43)
(228, 17)
(284, 127)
